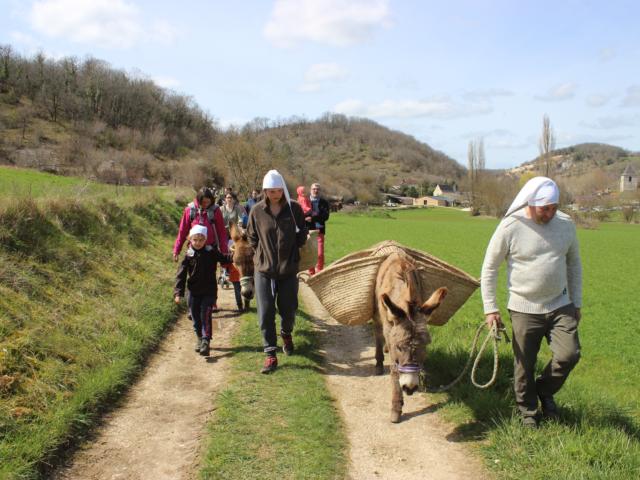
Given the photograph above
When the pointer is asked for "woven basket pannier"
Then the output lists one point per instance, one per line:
(346, 289)
(435, 273)
(343, 289)
(460, 289)
(309, 252)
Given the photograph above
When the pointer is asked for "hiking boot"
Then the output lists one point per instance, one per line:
(270, 364)
(204, 347)
(549, 407)
(530, 422)
(198, 343)
(287, 343)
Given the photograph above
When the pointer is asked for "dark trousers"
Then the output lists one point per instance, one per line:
(560, 328)
(282, 294)
(237, 290)
(201, 309)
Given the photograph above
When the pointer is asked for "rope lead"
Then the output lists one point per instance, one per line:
(493, 333)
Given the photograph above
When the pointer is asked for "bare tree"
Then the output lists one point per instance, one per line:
(244, 160)
(547, 144)
(476, 164)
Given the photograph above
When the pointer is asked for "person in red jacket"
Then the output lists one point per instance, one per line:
(202, 211)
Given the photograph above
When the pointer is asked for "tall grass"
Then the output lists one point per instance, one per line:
(598, 433)
(84, 296)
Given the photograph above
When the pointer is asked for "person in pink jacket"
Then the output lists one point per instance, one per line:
(202, 211)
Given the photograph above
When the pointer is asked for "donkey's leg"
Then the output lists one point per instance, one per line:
(396, 396)
(377, 330)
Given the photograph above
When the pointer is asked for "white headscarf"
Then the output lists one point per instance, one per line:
(198, 230)
(273, 179)
(537, 192)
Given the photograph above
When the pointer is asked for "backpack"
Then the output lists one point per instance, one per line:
(210, 216)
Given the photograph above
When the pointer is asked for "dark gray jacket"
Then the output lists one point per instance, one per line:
(275, 240)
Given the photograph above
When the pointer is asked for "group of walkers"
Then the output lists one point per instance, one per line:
(276, 227)
(537, 241)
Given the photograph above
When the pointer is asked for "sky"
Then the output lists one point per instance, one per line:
(446, 73)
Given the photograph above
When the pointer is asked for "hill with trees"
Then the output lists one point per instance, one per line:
(587, 167)
(83, 117)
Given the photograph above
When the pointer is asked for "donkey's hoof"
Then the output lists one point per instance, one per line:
(379, 369)
(395, 416)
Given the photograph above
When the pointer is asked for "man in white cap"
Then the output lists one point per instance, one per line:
(544, 280)
(276, 231)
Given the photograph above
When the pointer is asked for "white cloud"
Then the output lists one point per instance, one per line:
(569, 138)
(332, 22)
(496, 132)
(105, 23)
(25, 40)
(322, 75)
(632, 98)
(486, 94)
(598, 100)
(612, 122)
(443, 108)
(500, 138)
(166, 82)
(564, 91)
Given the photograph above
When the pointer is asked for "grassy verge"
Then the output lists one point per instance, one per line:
(282, 425)
(84, 296)
(598, 435)
(45, 187)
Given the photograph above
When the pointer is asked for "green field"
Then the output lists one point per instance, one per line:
(19, 183)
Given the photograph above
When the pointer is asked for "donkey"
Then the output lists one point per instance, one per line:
(400, 325)
(243, 260)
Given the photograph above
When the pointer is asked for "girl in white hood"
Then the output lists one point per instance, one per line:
(276, 231)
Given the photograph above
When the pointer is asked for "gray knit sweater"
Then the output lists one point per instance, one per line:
(544, 271)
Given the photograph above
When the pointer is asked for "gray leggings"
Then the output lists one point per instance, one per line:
(270, 294)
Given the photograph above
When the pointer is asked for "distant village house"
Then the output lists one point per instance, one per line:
(628, 180)
(433, 201)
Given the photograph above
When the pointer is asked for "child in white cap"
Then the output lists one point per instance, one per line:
(197, 272)
(276, 231)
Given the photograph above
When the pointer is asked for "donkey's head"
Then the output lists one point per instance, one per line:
(243, 260)
(407, 336)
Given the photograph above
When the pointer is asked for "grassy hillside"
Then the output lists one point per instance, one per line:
(84, 295)
(588, 167)
(352, 155)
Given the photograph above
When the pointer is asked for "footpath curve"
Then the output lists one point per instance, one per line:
(158, 431)
(418, 446)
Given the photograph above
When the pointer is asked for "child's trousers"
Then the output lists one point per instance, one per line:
(201, 308)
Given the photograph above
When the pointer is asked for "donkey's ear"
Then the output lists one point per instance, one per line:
(233, 231)
(396, 312)
(434, 301)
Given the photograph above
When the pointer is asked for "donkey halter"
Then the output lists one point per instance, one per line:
(411, 367)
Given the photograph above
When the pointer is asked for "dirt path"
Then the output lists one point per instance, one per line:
(418, 447)
(158, 431)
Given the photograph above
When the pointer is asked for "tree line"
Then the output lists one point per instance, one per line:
(73, 90)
